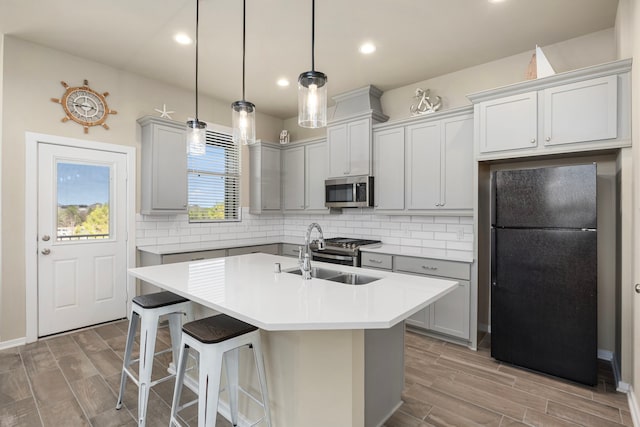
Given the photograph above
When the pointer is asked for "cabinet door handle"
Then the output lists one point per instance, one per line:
(375, 261)
(548, 138)
(426, 267)
(637, 288)
(533, 140)
(197, 259)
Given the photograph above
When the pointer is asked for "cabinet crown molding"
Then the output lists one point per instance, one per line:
(601, 70)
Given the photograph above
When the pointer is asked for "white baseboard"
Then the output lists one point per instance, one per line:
(633, 406)
(13, 343)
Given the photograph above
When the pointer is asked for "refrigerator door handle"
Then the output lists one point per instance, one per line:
(493, 257)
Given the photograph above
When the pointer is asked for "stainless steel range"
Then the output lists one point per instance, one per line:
(340, 250)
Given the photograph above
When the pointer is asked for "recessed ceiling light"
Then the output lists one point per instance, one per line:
(182, 38)
(496, 1)
(367, 48)
(283, 82)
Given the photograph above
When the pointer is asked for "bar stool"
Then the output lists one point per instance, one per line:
(149, 308)
(215, 338)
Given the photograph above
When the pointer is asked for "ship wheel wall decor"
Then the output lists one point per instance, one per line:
(84, 106)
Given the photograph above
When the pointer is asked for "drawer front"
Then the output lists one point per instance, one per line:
(289, 250)
(433, 267)
(368, 259)
(192, 256)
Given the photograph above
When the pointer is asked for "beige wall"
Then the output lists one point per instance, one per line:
(32, 76)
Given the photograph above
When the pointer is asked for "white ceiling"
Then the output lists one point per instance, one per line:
(416, 39)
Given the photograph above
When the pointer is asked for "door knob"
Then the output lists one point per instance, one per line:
(46, 251)
(637, 288)
(46, 238)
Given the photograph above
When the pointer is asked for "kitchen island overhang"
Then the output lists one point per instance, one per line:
(334, 353)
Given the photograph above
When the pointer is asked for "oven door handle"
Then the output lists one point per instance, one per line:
(331, 256)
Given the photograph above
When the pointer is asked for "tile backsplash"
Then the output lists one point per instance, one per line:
(451, 233)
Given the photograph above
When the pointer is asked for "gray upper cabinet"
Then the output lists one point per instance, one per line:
(581, 110)
(293, 179)
(423, 160)
(264, 188)
(315, 161)
(425, 165)
(349, 148)
(509, 123)
(388, 168)
(304, 169)
(456, 190)
(164, 166)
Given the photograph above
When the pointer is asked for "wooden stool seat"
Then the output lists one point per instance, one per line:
(215, 329)
(157, 300)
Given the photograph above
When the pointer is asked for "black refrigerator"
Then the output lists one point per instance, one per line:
(544, 270)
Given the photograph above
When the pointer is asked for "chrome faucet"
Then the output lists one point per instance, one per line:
(304, 262)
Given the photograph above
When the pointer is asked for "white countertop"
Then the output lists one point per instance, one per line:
(246, 287)
(417, 251)
(206, 246)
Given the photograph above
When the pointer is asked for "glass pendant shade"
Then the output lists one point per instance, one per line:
(196, 137)
(243, 116)
(312, 99)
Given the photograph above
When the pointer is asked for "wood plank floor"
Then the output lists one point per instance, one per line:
(73, 379)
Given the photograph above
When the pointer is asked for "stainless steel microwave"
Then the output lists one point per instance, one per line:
(349, 192)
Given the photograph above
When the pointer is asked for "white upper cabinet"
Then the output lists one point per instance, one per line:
(424, 165)
(164, 166)
(582, 110)
(349, 146)
(293, 184)
(579, 112)
(388, 168)
(509, 123)
(264, 187)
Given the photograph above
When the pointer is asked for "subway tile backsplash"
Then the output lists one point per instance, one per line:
(451, 233)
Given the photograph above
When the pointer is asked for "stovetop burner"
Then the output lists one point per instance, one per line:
(344, 243)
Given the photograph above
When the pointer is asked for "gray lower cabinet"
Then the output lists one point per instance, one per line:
(272, 249)
(450, 315)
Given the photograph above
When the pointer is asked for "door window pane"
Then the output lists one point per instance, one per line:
(83, 201)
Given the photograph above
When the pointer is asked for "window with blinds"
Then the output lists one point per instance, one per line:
(214, 181)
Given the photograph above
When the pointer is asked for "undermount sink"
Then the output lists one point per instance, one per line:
(353, 279)
(336, 276)
(316, 272)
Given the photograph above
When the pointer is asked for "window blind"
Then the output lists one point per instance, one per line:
(214, 181)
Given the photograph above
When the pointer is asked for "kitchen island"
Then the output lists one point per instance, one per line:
(334, 353)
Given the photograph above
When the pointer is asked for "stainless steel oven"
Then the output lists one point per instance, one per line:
(340, 250)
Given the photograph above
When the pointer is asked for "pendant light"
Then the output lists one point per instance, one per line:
(243, 113)
(312, 89)
(196, 130)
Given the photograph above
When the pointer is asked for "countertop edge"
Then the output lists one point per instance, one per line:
(419, 252)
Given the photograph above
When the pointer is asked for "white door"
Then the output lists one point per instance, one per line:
(81, 237)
